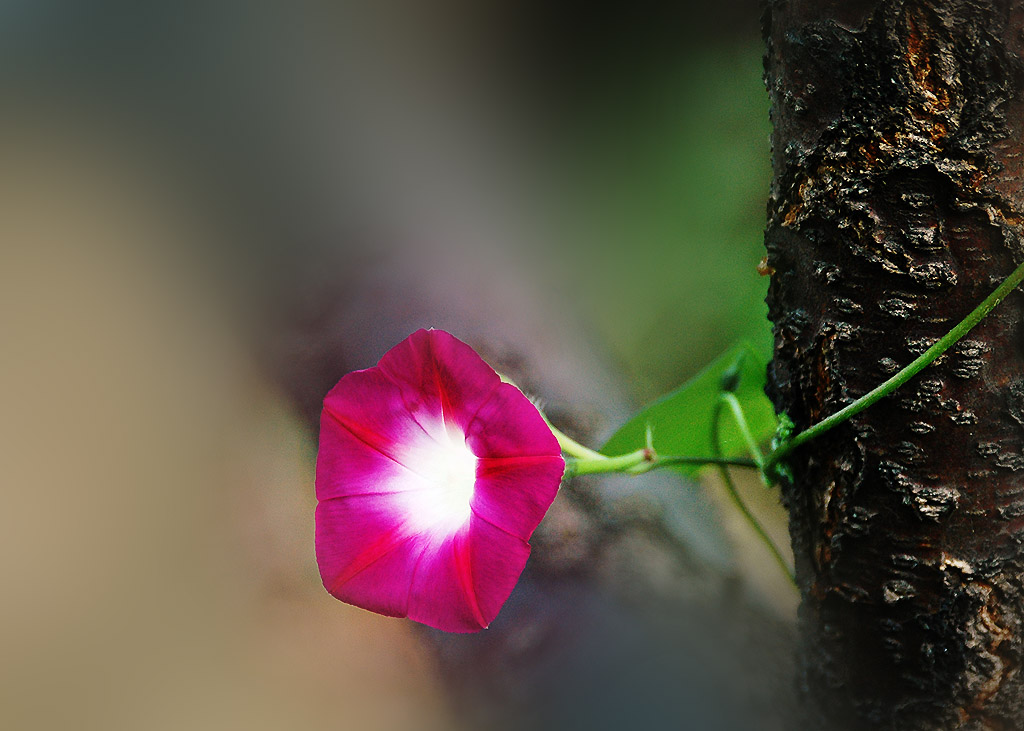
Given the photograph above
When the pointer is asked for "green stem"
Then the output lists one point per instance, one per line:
(573, 448)
(621, 463)
(700, 461)
(921, 362)
(643, 460)
(730, 487)
(741, 422)
(585, 461)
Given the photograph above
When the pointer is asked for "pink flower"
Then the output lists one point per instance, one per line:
(432, 476)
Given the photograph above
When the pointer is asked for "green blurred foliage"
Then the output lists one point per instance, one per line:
(675, 181)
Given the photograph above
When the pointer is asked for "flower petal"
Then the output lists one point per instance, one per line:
(431, 476)
(349, 465)
(439, 375)
(463, 581)
(509, 425)
(373, 409)
(365, 553)
(496, 560)
(514, 493)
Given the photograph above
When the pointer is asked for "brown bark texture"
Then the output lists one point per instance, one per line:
(895, 208)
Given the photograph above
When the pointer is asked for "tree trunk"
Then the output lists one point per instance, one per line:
(895, 208)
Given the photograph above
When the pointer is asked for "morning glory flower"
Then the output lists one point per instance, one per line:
(431, 477)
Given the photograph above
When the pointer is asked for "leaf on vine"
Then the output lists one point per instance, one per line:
(681, 420)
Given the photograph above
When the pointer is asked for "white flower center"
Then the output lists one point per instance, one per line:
(454, 474)
(449, 467)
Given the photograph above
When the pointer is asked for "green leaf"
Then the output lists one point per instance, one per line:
(681, 420)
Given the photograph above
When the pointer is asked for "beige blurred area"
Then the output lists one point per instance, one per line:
(156, 531)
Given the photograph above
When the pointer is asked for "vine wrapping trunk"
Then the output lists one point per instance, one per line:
(898, 133)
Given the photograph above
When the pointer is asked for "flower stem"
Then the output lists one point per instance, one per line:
(730, 487)
(741, 421)
(573, 448)
(582, 460)
(621, 463)
(922, 361)
(698, 461)
(643, 460)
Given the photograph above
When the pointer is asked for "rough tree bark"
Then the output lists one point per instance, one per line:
(895, 208)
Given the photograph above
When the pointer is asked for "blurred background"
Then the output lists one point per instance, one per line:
(212, 210)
